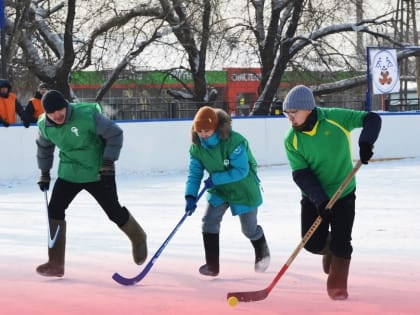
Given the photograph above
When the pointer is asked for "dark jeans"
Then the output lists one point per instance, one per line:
(64, 192)
(341, 224)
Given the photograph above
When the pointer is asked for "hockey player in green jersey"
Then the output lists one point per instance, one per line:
(89, 143)
(318, 147)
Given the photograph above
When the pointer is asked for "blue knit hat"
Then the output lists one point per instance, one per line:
(300, 97)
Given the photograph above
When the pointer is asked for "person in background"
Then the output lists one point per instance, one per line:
(318, 147)
(34, 107)
(10, 106)
(232, 182)
(89, 144)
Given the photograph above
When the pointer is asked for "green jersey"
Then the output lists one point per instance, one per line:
(81, 149)
(242, 192)
(330, 137)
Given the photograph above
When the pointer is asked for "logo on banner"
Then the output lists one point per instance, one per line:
(384, 71)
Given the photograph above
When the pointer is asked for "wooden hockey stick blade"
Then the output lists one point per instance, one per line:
(251, 296)
(259, 295)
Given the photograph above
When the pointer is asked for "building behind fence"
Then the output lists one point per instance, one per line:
(143, 95)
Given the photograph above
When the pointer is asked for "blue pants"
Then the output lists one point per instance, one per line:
(213, 217)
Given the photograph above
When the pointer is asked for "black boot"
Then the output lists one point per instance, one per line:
(55, 265)
(211, 248)
(337, 278)
(262, 254)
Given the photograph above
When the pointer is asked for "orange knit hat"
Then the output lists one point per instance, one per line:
(205, 119)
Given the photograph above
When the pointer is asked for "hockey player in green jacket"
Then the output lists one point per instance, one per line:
(88, 144)
(318, 147)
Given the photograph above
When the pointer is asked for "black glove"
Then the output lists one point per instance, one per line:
(190, 204)
(365, 152)
(44, 181)
(107, 174)
(324, 213)
(4, 122)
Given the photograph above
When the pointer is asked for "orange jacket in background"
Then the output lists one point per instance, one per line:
(8, 108)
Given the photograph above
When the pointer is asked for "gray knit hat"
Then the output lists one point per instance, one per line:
(300, 97)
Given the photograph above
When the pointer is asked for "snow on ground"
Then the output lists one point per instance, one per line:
(384, 274)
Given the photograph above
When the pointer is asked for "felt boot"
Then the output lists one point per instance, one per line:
(326, 255)
(54, 267)
(138, 239)
(337, 278)
(211, 248)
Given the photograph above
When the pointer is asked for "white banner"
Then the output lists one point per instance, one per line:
(384, 71)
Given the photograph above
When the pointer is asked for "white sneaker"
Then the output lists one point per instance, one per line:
(262, 264)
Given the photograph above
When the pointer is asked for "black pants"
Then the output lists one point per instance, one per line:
(64, 192)
(341, 223)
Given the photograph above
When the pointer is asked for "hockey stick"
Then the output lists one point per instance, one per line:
(250, 296)
(51, 241)
(131, 281)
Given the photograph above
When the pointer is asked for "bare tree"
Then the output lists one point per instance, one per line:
(298, 35)
(179, 15)
(52, 41)
(53, 48)
(53, 38)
